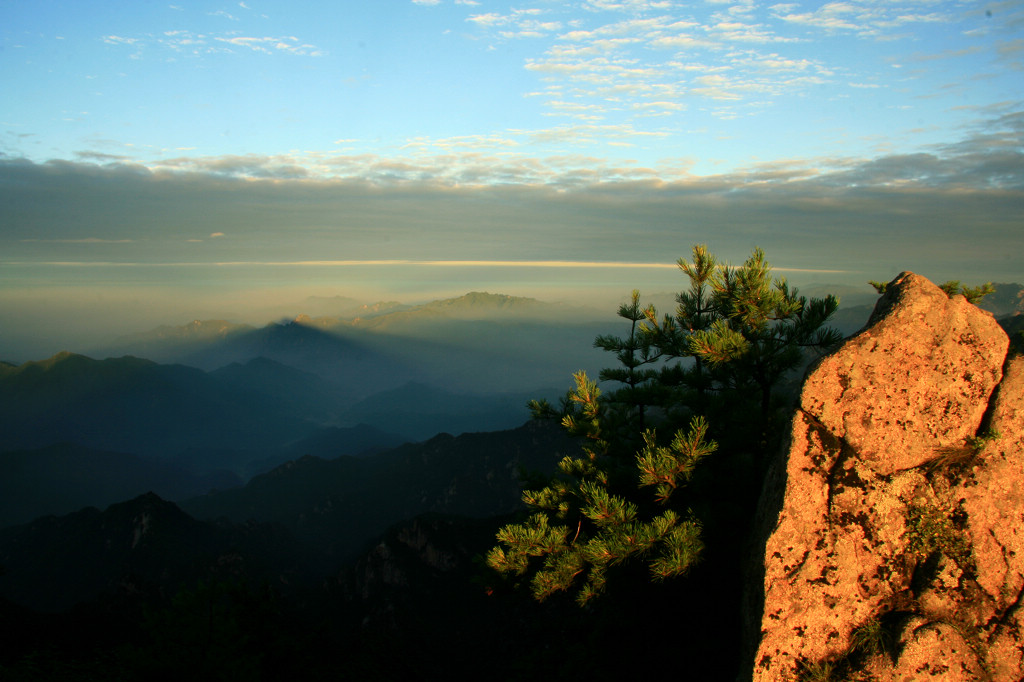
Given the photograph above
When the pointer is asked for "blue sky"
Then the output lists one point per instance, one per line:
(141, 142)
(662, 88)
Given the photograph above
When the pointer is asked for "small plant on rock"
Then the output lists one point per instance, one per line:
(872, 638)
(929, 531)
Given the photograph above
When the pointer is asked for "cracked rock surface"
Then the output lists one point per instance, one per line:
(897, 550)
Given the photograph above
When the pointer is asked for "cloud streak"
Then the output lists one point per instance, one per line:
(183, 41)
(951, 210)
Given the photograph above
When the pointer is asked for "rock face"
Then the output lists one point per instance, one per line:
(896, 549)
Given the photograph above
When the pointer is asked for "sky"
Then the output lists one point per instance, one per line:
(169, 161)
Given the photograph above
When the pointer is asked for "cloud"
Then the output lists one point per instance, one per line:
(951, 210)
(624, 55)
(426, 2)
(627, 5)
(215, 235)
(639, 60)
(1011, 53)
(248, 165)
(269, 45)
(101, 156)
(570, 155)
(489, 19)
(861, 17)
(801, 216)
(521, 23)
(84, 240)
(189, 42)
(120, 40)
(221, 13)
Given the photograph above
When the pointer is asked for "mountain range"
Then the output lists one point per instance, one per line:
(324, 512)
(357, 463)
(216, 402)
(478, 343)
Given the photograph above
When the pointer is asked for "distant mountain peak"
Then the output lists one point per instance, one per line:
(62, 358)
(64, 355)
(484, 298)
(481, 303)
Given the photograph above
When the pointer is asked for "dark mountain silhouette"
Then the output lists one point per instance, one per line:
(1007, 300)
(158, 595)
(250, 582)
(361, 440)
(303, 519)
(343, 503)
(419, 411)
(306, 395)
(142, 544)
(60, 479)
(1014, 326)
(138, 406)
(851, 319)
(354, 365)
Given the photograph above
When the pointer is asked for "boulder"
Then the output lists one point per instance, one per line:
(895, 543)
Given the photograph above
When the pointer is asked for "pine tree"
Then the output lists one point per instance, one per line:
(585, 523)
(743, 331)
(735, 334)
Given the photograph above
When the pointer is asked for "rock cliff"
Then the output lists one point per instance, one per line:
(895, 523)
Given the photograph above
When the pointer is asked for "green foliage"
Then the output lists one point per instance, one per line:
(743, 331)
(735, 334)
(872, 638)
(951, 288)
(633, 352)
(875, 637)
(972, 294)
(584, 524)
(819, 671)
(663, 467)
(930, 530)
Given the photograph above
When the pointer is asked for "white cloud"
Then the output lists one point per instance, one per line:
(268, 45)
(463, 142)
(627, 5)
(489, 19)
(223, 14)
(84, 240)
(184, 41)
(120, 40)
(863, 17)
(426, 2)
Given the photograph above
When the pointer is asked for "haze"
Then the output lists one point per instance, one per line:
(164, 163)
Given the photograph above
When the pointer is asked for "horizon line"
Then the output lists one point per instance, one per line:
(391, 262)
